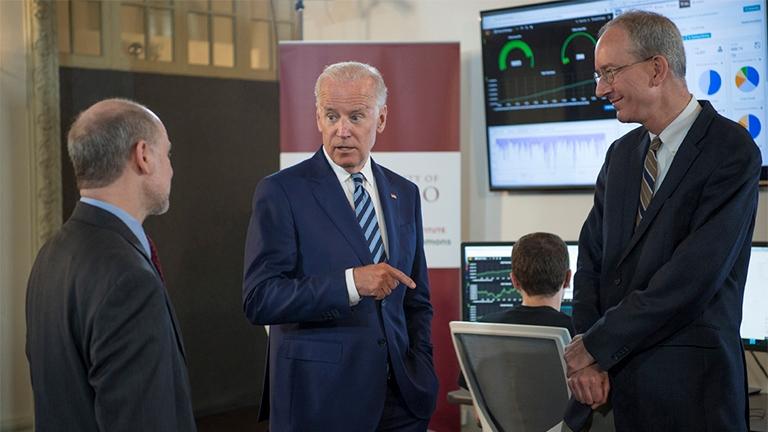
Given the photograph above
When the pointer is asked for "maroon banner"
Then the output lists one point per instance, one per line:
(422, 80)
(423, 115)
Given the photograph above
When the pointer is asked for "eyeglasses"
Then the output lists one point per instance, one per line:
(610, 74)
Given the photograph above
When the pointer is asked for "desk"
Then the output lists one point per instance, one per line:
(460, 397)
(758, 412)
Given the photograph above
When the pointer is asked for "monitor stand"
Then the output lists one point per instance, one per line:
(753, 390)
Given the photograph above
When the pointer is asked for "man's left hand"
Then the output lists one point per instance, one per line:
(590, 386)
(576, 356)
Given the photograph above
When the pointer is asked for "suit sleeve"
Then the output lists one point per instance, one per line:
(274, 289)
(682, 288)
(417, 305)
(132, 358)
(586, 281)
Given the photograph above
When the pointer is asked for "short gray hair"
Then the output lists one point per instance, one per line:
(100, 140)
(652, 34)
(353, 71)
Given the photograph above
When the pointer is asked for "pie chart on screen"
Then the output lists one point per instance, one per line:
(747, 78)
(752, 124)
(710, 82)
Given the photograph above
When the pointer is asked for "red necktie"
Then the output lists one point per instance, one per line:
(155, 259)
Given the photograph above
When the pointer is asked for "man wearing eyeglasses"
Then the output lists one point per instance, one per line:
(663, 253)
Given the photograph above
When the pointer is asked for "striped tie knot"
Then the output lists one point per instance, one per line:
(358, 178)
(655, 144)
(366, 218)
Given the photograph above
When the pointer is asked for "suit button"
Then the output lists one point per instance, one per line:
(382, 342)
(617, 281)
(383, 302)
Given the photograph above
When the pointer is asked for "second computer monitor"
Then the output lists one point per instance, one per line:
(486, 287)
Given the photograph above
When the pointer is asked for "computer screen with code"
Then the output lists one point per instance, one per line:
(486, 287)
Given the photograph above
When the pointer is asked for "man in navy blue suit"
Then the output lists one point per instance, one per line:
(334, 263)
(663, 253)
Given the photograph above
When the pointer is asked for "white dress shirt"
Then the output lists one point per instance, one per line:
(672, 137)
(348, 186)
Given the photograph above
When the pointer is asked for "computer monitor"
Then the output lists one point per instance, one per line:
(486, 287)
(546, 128)
(754, 320)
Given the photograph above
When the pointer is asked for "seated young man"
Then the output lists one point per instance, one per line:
(540, 273)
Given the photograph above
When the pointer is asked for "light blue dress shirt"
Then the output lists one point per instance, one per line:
(130, 221)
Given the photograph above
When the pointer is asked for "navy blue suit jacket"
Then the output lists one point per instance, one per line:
(660, 305)
(327, 365)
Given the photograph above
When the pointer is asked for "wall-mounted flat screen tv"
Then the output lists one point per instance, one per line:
(546, 129)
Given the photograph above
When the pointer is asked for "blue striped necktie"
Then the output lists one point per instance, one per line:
(650, 173)
(366, 217)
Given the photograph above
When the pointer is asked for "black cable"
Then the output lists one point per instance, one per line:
(760, 365)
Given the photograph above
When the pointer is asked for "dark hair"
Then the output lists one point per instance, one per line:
(100, 143)
(540, 263)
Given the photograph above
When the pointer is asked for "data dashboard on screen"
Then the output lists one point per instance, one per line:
(486, 285)
(546, 129)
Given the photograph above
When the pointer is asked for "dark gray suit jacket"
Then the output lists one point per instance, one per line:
(660, 304)
(103, 345)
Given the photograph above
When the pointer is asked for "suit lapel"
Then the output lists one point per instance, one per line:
(686, 154)
(332, 199)
(390, 206)
(631, 187)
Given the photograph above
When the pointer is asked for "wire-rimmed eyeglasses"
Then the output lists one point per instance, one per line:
(610, 74)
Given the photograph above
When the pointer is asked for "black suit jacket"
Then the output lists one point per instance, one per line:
(103, 345)
(660, 305)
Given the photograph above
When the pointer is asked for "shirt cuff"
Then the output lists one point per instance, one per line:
(354, 296)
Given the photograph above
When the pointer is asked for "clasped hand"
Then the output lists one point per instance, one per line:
(378, 280)
(588, 382)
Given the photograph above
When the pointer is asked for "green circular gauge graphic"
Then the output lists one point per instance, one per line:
(573, 36)
(512, 45)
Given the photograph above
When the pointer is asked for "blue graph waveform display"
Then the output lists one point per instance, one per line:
(547, 160)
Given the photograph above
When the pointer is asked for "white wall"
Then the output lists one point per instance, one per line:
(486, 215)
(16, 235)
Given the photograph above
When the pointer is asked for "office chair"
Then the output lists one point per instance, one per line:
(515, 373)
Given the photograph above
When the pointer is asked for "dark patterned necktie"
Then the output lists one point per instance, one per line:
(366, 217)
(650, 173)
(155, 259)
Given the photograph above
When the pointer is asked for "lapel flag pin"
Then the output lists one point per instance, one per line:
(393, 196)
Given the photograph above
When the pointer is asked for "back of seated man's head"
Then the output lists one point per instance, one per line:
(540, 264)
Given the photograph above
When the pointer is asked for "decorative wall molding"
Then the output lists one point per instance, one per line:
(44, 124)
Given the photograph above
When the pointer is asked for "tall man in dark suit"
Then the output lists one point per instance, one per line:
(334, 262)
(663, 253)
(104, 347)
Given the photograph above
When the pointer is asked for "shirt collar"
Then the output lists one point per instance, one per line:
(344, 176)
(133, 224)
(675, 132)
